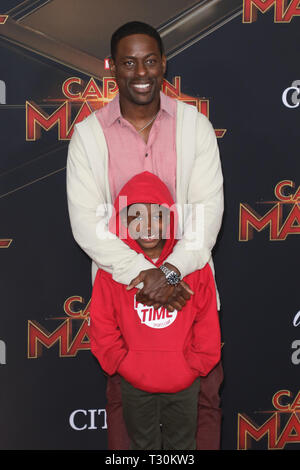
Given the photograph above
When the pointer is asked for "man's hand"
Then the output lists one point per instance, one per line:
(157, 292)
(181, 293)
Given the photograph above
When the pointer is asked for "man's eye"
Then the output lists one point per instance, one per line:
(129, 63)
(151, 61)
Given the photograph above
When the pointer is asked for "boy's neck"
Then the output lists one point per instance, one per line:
(155, 252)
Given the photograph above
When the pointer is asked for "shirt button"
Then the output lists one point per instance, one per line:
(146, 155)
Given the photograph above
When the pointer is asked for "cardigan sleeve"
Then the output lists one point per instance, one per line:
(89, 215)
(205, 205)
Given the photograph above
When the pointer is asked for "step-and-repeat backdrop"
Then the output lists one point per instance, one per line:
(244, 76)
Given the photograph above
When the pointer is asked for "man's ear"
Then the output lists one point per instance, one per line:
(112, 67)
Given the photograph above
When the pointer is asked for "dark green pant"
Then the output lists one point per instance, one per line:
(161, 420)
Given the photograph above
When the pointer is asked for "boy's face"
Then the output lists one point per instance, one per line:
(147, 224)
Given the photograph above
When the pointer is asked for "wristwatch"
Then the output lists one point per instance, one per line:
(171, 276)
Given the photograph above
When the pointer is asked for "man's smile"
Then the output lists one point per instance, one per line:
(141, 87)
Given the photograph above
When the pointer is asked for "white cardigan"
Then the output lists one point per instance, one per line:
(199, 180)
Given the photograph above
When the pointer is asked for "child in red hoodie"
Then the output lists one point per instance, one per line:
(160, 355)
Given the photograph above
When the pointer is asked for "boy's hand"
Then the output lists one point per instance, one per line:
(157, 292)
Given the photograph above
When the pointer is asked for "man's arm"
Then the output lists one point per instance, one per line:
(89, 215)
(200, 226)
(206, 204)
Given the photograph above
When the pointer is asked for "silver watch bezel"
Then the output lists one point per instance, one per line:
(171, 276)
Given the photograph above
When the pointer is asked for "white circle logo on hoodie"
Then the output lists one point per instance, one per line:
(160, 318)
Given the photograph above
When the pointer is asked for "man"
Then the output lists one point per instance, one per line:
(142, 129)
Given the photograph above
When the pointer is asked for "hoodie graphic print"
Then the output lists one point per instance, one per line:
(155, 350)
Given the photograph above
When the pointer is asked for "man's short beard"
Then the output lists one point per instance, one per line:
(143, 103)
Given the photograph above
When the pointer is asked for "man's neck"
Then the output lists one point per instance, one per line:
(139, 113)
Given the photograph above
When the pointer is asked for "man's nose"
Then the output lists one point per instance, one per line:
(141, 69)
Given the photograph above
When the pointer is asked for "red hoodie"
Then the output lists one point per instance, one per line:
(154, 350)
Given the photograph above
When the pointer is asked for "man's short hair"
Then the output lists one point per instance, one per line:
(134, 27)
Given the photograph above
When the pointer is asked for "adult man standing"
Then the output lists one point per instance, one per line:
(142, 129)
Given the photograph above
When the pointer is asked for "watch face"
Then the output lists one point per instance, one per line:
(173, 278)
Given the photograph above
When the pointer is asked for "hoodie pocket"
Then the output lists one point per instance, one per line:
(157, 371)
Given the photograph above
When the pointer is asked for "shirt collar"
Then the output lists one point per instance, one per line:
(115, 111)
(167, 104)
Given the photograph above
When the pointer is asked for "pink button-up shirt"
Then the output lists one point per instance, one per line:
(130, 155)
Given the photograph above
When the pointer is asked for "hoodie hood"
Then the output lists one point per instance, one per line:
(144, 188)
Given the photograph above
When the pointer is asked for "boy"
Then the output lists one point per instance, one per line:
(160, 355)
